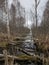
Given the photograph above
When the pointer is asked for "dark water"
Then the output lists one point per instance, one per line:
(2, 63)
(28, 63)
(27, 45)
(24, 63)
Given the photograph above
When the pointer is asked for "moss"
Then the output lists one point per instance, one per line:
(3, 44)
(26, 57)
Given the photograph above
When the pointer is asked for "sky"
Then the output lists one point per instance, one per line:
(29, 4)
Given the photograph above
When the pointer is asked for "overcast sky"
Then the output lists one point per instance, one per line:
(28, 4)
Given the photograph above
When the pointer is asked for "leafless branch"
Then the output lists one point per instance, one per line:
(38, 3)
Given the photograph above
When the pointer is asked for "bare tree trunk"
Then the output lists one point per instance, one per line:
(7, 13)
(36, 12)
(36, 15)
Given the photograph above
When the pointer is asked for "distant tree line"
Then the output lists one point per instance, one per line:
(16, 19)
(42, 31)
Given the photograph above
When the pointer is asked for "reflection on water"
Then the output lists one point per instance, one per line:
(28, 43)
(28, 46)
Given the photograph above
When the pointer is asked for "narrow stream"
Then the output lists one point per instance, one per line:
(28, 46)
